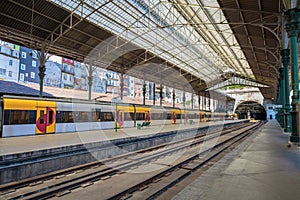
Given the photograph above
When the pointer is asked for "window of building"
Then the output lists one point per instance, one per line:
(23, 67)
(15, 54)
(2, 71)
(10, 73)
(10, 62)
(65, 77)
(71, 69)
(32, 75)
(65, 67)
(23, 55)
(33, 63)
(34, 55)
(21, 77)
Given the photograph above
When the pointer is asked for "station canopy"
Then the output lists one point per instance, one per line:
(204, 41)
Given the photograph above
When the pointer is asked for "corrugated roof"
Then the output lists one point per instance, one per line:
(13, 88)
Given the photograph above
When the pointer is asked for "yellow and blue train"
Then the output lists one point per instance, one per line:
(21, 116)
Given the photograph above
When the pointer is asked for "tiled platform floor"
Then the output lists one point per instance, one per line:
(264, 169)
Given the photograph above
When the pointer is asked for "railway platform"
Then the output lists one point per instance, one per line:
(65, 150)
(261, 168)
(23, 144)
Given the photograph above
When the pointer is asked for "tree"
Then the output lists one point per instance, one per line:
(43, 57)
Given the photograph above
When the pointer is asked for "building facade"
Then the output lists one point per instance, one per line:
(67, 73)
(53, 74)
(80, 77)
(29, 66)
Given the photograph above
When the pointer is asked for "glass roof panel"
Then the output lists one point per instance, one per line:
(183, 33)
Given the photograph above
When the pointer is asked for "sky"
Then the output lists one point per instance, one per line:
(55, 58)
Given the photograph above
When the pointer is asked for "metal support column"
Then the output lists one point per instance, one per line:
(160, 95)
(292, 27)
(90, 70)
(209, 104)
(90, 80)
(192, 101)
(204, 102)
(285, 59)
(154, 94)
(144, 92)
(183, 99)
(174, 98)
(281, 97)
(199, 102)
(121, 84)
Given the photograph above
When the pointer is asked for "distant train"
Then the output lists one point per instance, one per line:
(20, 116)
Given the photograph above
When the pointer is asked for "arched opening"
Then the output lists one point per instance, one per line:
(251, 109)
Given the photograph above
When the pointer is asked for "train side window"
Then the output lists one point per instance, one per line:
(50, 116)
(96, 115)
(169, 116)
(32, 116)
(164, 115)
(6, 117)
(58, 117)
(19, 117)
(41, 116)
(107, 116)
(82, 116)
(132, 116)
(70, 117)
(157, 116)
(64, 117)
(127, 116)
(140, 116)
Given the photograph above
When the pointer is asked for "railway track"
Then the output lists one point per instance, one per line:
(120, 169)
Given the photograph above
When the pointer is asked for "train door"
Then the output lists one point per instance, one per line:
(45, 122)
(120, 119)
(147, 116)
(173, 117)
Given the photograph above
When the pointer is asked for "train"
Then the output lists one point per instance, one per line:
(24, 116)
